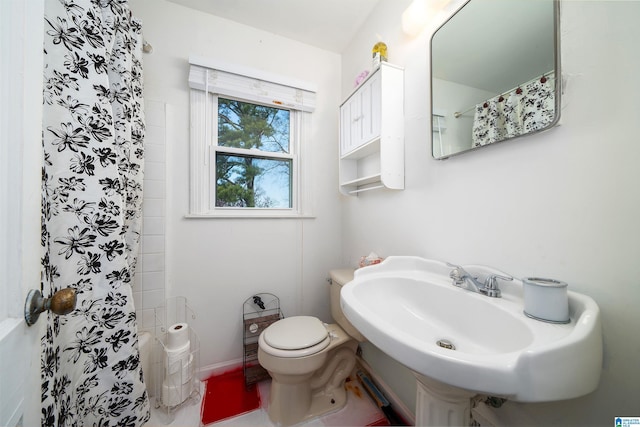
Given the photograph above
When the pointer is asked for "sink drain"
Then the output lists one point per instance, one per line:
(446, 344)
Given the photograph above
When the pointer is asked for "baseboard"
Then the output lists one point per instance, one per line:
(398, 405)
(218, 368)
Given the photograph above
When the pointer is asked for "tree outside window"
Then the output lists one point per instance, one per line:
(254, 161)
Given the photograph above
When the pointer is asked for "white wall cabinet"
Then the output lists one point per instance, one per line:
(372, 133)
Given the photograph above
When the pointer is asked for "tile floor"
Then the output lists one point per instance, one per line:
(359, 411)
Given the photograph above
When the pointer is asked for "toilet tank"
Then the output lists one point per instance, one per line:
(339, 278)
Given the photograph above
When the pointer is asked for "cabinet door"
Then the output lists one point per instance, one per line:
(360, 116)
(355, 111)
(370, 100)
(350, 125)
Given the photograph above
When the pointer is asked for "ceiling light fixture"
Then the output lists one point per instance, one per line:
(419, 13)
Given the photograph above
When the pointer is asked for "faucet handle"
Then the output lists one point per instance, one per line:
(491, 281)
(491, 284)
(457, 274)
(456, 268)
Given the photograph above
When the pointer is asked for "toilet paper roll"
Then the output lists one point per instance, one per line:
(177, 336)
(181, 371)
(176, 359)
(173, 395)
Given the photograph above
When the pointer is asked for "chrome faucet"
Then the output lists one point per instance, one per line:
(462, 279)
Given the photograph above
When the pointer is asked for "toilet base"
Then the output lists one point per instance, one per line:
(323, 402)
(322, 392)
(291, 404)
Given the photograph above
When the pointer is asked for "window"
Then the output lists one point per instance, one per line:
(248, 136)
(253, 157)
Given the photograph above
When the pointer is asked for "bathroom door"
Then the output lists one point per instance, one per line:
(21, 35)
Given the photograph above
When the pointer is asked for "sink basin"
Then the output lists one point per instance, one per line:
(408, 308)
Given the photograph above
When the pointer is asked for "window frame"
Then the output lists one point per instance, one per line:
(294, 148)
(240, 84)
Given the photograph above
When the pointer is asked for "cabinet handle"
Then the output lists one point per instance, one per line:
(357, 118)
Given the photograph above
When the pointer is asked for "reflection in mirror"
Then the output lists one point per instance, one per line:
(494, 65)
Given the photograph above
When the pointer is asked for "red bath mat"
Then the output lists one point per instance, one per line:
(225, 396)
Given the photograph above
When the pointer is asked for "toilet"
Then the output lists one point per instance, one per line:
(309, 360)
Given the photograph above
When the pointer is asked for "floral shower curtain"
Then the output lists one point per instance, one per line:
(525, 109)
(93, 129)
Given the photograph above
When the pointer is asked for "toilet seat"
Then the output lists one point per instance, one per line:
(296, 336)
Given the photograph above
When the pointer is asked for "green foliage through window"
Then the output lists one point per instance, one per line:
(255, 179)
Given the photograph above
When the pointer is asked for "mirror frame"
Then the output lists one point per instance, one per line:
(557, 82)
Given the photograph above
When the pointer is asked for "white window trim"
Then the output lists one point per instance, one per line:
(207, 80)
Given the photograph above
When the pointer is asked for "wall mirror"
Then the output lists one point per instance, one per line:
(494, 74)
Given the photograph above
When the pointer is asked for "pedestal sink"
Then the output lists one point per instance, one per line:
(460, 343)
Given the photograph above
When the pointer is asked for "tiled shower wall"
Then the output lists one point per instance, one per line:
(149, 283)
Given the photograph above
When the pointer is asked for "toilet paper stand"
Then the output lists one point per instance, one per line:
(177, 357)
(258, 312)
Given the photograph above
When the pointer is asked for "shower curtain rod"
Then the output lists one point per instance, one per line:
(457, 114)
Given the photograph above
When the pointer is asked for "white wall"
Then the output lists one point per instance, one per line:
(563, 204)
(218, 263)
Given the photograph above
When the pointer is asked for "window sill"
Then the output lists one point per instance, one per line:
(249, 215)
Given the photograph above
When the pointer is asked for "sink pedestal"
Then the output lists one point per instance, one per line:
(439, 404)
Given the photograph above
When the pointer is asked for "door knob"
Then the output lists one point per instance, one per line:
(62, 302)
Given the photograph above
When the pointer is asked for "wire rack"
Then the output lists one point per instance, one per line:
(176, 384)
(258, 312)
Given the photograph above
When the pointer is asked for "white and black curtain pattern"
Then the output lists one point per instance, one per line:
(525, 109)
(93, 130)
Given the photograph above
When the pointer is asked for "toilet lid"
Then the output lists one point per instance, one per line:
(294, 333)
